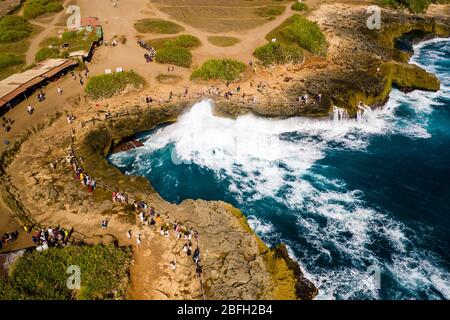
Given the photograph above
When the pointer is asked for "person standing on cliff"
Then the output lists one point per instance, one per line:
(138, 239)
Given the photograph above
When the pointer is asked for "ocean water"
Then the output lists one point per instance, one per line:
(363, 204)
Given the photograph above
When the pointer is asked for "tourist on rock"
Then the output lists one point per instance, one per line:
(138, 239)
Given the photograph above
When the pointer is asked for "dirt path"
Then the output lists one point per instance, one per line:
(48, 30)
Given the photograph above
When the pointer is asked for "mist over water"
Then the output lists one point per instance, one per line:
(345, 195)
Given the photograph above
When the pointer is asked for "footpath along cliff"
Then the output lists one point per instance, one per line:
(362, 65)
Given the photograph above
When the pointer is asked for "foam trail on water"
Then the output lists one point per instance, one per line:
(271, 158)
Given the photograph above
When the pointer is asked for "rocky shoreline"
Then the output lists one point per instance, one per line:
(363, 65)
(267, 273)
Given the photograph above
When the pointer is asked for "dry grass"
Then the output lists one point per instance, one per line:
(220, 15)
(168, 78)
(220, 41)
(157, 26)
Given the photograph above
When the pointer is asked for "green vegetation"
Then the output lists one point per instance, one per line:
(9, 59)
(57, 47)
(108, 85)
(270, 11)
(184, 41)
(225, 69)
(35, 8)
(14, 28)
(47, 53)
(14, 34)
(223, 41)
(302, 32)
(73, 41)
(416, 6)
(278, 53)
(174, 55)
(299, 6)
(157, 26)
(42, 275)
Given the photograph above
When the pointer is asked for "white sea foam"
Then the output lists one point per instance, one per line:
(263, 157)
(259, 226)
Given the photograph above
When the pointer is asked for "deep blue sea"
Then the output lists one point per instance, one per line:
(363, 204)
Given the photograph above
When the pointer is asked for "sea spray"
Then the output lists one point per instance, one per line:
(340, 192)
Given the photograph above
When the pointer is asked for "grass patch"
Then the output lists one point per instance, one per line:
(18, 48)
(72, 41)
(174, 55)
(35, 8)
(269, 12)
(47, 53)
(184, 41)
(167, 78)
(302, 32)
(108, 85)
(299, 6)
(157, 26)
(225, 69)
(9, 64)
(9, 59)
(415, 6)
(223, 41)
(42, 275)
(14, 28)
(278, 53)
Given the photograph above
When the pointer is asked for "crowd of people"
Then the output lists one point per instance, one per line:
(51, 237)
(80, 76)
(80, 175)
(7, 123)
(150, 55)
(148, 216)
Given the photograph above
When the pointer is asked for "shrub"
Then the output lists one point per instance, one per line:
(277, 53)
(299, 6)
(174, 55)
(35, 8)
(42, 275)
(185, 41)
(108, 85)
(306, 34)
(271, 11)
(14, 28)
(47, 53)
(157, 26)
(9, 59)
(225, 69)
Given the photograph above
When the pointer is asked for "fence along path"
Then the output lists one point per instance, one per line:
(129, 197)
